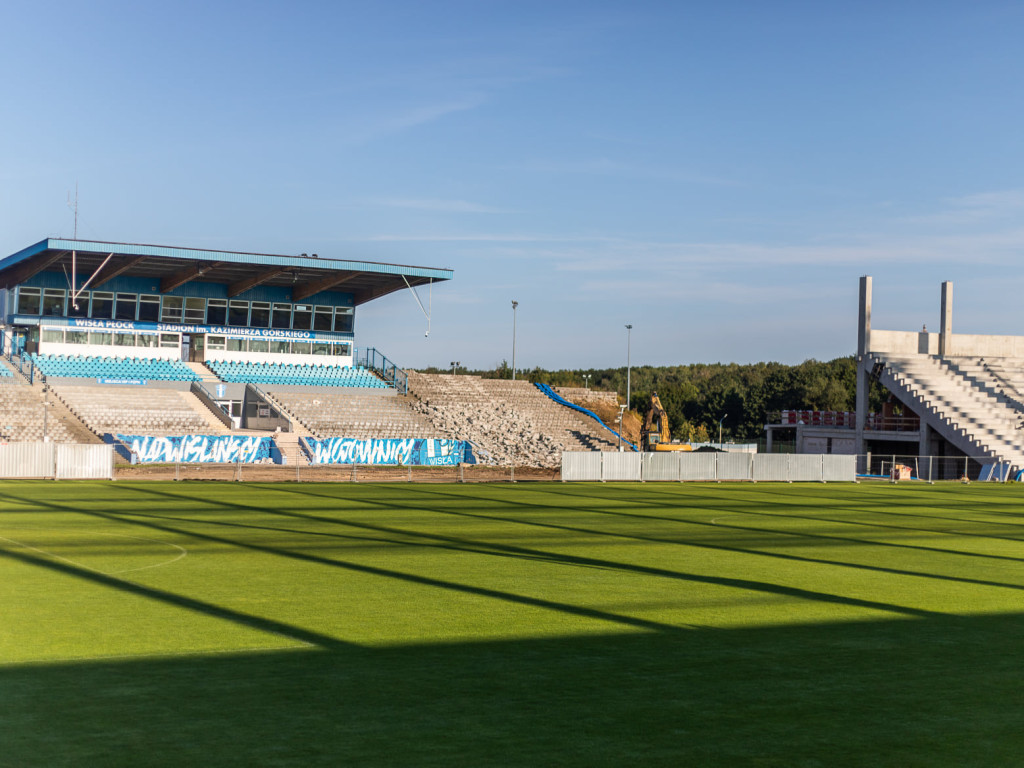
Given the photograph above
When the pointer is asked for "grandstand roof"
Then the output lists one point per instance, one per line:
(305, 275)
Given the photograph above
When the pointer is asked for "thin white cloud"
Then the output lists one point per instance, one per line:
(428, 113)
(978, 208)
(436, 204)
(604, 166)
(720, 291)
(484, 237)
(365, 127)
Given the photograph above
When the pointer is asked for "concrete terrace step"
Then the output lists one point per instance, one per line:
(204, 373)
(961, 405)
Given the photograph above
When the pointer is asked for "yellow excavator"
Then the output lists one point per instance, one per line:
(655, 435)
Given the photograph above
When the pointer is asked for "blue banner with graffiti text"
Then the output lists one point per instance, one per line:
(198, 449)
(417, 452)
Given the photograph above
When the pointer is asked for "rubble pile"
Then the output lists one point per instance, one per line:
(502, 435)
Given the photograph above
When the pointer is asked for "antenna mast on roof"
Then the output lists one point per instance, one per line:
(74, 207)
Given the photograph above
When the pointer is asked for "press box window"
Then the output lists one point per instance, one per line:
(76, 337)
(52, 336)
(258, 345)
(53, 302)
(302, 316)
(172, 310)
(344, 349)
(99, 338)
(149, 309)
(124, 339)
(83, 305)
(102, 305)
(322, 318)
(195, 310)
(215, 342)
(146, 340)
(238, 313)
(300, 347)
(343, 319)
(280, 347)
(260, 314)
(168, 340)
(126, 304)
(29, 300)
(282, 315)
(217, 312)
(236, 345)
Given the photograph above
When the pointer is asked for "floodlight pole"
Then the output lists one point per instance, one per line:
(586, 381)
(720, 430)
(515, 305)
(629, 339)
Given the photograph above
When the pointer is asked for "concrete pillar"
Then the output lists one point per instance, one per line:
(863, 364)
(924, 451)
(946, 321)
(864, 317)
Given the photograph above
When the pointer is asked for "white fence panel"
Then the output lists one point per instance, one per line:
(581, 465)
(805, 468)
(620, 466)
(682, 466)
(26, 460)
(697, 466)
(661, 466)
(771, 467)
(839, 469)
(734, 466)
(85, 462)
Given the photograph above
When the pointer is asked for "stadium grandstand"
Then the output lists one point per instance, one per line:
(955, 401)
(154, 340)
(167, 352)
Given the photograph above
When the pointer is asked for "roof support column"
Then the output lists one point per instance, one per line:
(946, 321)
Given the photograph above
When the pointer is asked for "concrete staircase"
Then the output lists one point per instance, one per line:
(959, 400)
(288, 443)
(206, 376)
(217, 427)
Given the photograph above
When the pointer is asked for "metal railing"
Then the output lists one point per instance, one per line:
(206, 398)
(376, 361)
(275, 409)
(876, 422)
(24, 365)
(894, 466)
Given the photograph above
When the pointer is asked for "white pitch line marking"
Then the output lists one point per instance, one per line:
(51, 554)
(182, 552)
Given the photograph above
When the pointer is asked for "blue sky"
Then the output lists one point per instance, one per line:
(716, 174)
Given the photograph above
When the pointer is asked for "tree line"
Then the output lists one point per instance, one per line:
(697, 396)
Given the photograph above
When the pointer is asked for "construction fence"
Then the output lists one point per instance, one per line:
(681, 466)
(56, 461)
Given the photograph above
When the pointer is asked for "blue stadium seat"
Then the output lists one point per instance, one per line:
(80, 366)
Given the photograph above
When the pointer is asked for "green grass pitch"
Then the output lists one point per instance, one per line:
(153, 624)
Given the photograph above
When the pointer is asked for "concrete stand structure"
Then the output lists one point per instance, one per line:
(965, 392)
